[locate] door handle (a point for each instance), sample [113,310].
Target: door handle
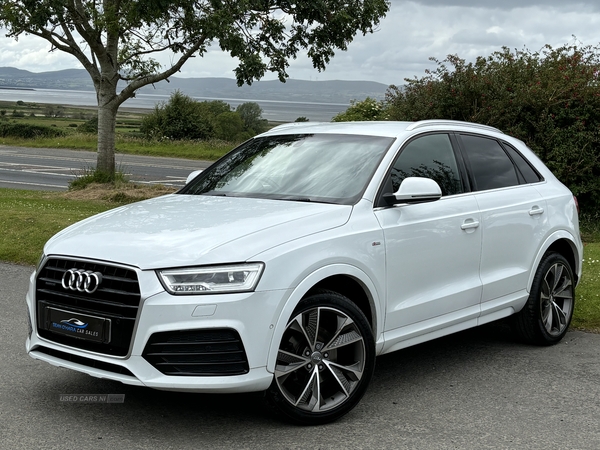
[536,210]
[469,223]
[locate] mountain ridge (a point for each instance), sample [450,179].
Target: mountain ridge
[337,91]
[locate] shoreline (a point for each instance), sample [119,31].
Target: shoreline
[273,110]
[12,88]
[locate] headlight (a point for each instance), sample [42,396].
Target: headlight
[211,280]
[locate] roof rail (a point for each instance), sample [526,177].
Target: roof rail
[293,124]
[428,123]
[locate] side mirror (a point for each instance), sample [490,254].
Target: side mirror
[192,175]
[415,190]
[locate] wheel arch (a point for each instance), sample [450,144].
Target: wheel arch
[352,288]
[565,244]
[344,279]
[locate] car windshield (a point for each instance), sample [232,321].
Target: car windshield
[329,168]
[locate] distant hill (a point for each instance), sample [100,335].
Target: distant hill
[225,88]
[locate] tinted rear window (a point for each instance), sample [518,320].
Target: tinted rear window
[528,172]
[491,167]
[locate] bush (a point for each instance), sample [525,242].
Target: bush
[91,176]
[90,126]
[25,131]
[549,99]
[181,118]
[83,115]
[368,109]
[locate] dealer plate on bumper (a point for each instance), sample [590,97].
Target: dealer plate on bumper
[77,325]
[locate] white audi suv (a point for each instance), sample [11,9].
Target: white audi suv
[293,261]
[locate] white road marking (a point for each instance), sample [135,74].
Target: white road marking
[33,184]
[165,182]
[93,161]
[3,169]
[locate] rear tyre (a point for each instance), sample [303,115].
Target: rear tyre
[546,316]
[325,361]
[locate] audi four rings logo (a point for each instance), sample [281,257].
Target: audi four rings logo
[81,280]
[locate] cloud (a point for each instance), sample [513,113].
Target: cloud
[33,54]
[412,32]
[507,4]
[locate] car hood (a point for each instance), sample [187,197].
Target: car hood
[183,230]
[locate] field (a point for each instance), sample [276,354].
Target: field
[65,117]
[128,138]
[587,304]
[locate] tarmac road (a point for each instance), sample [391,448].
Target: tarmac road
[52,169]
[475,390]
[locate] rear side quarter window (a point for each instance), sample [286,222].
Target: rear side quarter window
[490,165]
[528,173]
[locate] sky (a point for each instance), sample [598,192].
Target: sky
[411,33]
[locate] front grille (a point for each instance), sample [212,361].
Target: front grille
[117,299]
[216,352]
[108,367]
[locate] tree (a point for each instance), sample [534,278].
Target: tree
[118,40]
[549,99]
[54,111]
[251,115]
[228,126]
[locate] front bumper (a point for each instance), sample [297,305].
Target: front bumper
[252,315]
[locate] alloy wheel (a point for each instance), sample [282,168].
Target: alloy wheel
[556,299]
[321,359]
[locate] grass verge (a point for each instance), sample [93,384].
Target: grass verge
[587,302]
[199,150]
[30,218]
[589,224]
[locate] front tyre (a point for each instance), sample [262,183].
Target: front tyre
[546,316]
[325,360]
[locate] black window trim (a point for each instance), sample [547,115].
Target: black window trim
[381,203]
[462,161]
[505,144]
[520,177]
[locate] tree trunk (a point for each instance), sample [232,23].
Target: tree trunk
[107,120]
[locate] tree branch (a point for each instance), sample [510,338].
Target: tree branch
[87,32]
[69,40]
[128,91]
